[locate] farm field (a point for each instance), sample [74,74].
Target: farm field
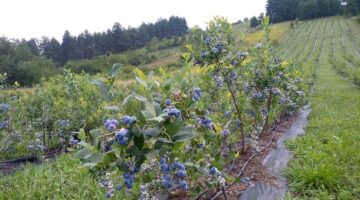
[316,62]
[325,166]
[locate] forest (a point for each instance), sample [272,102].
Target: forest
[285,10]
[27,61]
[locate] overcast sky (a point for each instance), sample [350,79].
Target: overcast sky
[37,18]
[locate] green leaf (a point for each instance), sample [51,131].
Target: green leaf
[183,135]
[139,141]
[164,140]
[149,106]
[151,155]
[115,70]
[82,135]
[95,133]
[133,150]
[85,145]
[133,96]
[140,73]
[147,115]
[136,130]
[143,82]
[175,127]
[152,132]
[94,157]
[109,157]
[114,109]
[157,119]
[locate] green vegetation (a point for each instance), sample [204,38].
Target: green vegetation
[326,165]
[60,179]
[135,133]
[151,124]
[29,62]
[286,10]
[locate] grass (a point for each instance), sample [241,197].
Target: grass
[63,179]
[53,180]
[278,31]
[327,165]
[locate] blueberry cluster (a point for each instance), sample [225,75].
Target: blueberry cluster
[241,55]
[214,171]
[219,81]
[252,113]
[207,40]
[233,76]
[246,88]
[64,124]
[144,195]
[111,124]
[214,50]
[225,132]
[179,174]
[122,136]
[258,96]
[36,145]
[227,113]
[127,120]
[197,94]
[4,124]
[73,141]
[200,145]
[264,112]
[276,91]
[234,62]
[216,176]
[156,102]
[105,183]
[204,54]
[129,180]
[172,112]
[206,122]
[167,102]
[107,146]
[4,107]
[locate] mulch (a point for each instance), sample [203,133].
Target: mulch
[11,166]
[255,169]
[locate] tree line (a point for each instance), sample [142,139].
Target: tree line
[26,61]
[114,40]
[285,10]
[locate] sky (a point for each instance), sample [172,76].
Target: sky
[37,18]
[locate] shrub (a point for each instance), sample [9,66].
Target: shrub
[179,128]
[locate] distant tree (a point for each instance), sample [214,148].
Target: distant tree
[21,65]
[51,49]
[352,7]
[69,48]
[246,20]
[115,40]
[32,45]
[285,10]
[254,22]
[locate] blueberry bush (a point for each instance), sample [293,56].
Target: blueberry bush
[50,116]
[176,130]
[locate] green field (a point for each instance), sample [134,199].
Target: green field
[326,164]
